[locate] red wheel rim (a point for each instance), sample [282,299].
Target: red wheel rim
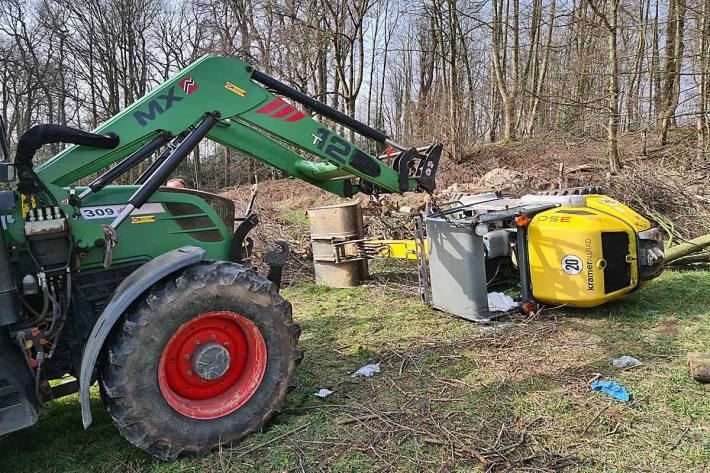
[212,365]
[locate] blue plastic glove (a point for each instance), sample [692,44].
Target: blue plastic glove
[612,388]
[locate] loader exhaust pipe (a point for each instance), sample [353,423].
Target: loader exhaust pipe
[323,109]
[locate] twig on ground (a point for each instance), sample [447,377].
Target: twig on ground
[269,442]
[586,429]
[680,439]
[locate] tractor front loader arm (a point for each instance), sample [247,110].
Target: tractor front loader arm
[251,120]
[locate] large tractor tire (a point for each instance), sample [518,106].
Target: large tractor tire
[202,360]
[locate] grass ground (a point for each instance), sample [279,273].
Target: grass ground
[452,395]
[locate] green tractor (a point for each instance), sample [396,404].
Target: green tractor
[147,289]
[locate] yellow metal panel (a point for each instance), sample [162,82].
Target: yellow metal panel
[398,249]
[566,261]
[611,206]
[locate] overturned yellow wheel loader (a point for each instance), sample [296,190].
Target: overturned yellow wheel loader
[577,247]
[591,250]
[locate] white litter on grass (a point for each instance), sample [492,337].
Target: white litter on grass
[499,302]
[324,393]
[625,361]
[366,371]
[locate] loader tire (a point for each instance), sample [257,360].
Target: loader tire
[200,361]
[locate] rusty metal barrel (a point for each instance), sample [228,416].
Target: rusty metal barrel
[337,262]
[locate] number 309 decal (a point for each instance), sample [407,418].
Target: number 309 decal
[110,211]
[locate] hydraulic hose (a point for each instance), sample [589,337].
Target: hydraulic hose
[127,164]
[166,166]
[319,107]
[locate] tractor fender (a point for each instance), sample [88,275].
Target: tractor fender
[128,291]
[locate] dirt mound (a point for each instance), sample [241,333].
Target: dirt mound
[537,161]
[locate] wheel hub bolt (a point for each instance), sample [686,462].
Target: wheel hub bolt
[189,372]
[187,356]
[213,337]
[197,342]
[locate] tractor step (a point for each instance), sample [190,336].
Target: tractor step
[17,410]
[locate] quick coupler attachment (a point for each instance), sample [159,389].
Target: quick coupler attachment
[420,163]
[428,165]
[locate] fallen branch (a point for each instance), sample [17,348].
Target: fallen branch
[687,248]
[362,418]
[693,258]
[680,439]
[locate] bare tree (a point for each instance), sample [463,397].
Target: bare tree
[610,22]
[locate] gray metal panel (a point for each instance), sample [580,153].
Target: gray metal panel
[457,270]
[18,403]
[566,200]
[497,243]
[130,288]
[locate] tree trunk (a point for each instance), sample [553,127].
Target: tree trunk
[687,248]
[674,51]
[613,125]
[508,95]
[540,80]
[611,23]
[704,69]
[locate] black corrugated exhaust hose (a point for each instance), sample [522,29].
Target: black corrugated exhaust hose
[40,135]
[319,107]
